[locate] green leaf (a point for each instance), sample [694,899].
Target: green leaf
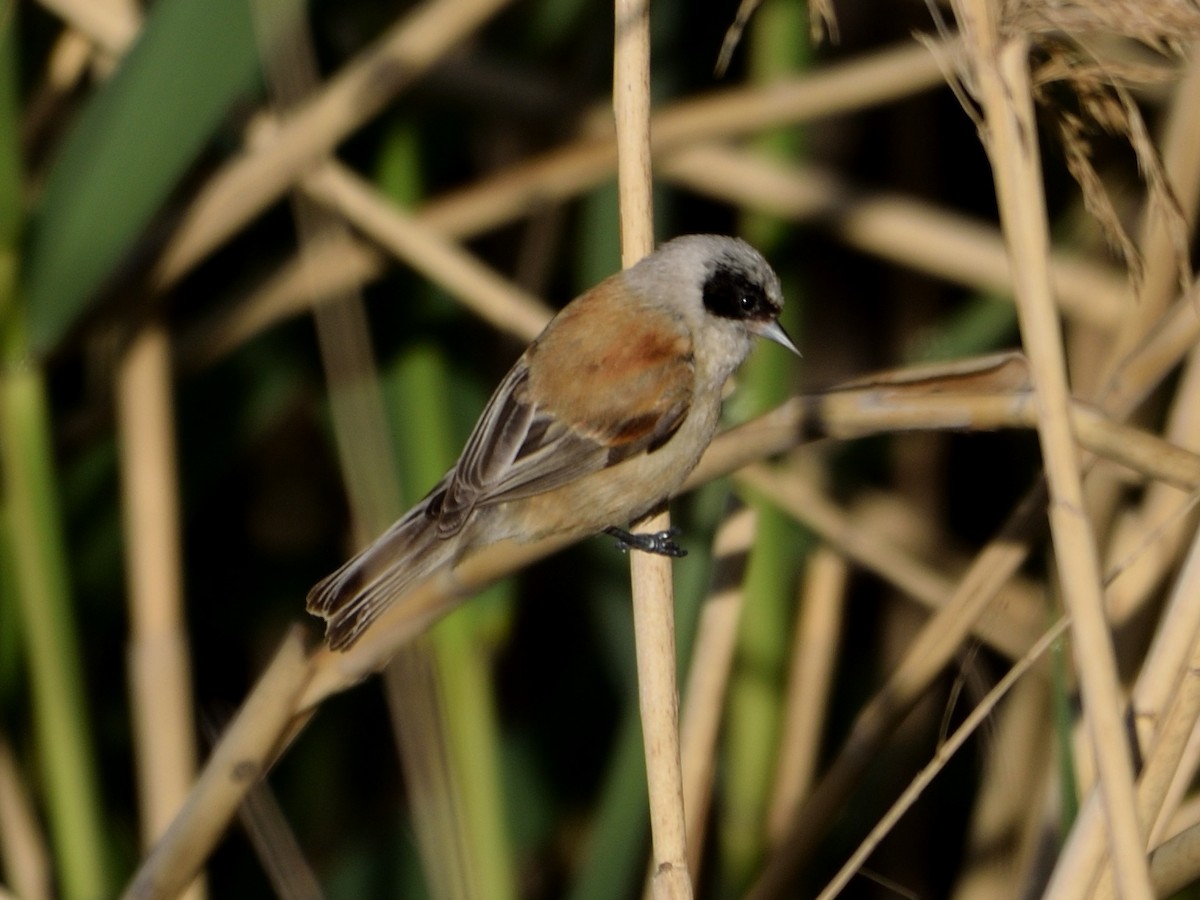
[132,144]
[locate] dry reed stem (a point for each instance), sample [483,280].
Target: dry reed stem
[22,844]
[857,412]
[1174,864]
[315,275]
[356,402]
[1162,347]
[894,227]
[708,674]
[767,435]
[1165,670]
[582,165]
[1010,632]
[1175,806]
[1180,150]
[847,415]
[1017,765]
[1165,344]
[112,26]
[1178,722]
[815,640]
[901,229]
[567,171]
[256,178]
[415,704]
[434,793]
[164,727]
[67,63]
[1153,532]
[240,758]
[1181,165]
[328,673]
[277,847]
[978,393]
[1136,375]
[928,654]
[481,289]
[1001,76]
[1176,732]
[653,595]
[1187,816]
[901,519]
[944,753]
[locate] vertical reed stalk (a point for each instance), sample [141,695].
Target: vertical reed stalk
[653,597]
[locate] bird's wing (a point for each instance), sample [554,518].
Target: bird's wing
[573,405]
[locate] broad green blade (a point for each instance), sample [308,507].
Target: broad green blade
[135,140]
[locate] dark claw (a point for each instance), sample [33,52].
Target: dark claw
[658,542]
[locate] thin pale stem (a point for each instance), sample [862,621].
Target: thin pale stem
[1002,78]
[653,595]
[159,658]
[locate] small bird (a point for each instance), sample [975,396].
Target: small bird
[599,421]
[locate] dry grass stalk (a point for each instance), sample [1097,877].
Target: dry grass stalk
[164,735]
[1158,242]
[1181,163]
[279,852]
[653,594]
[112,26]
[708,674]
[897,228]
[822,22]
[250,182]
[1179,721]
[815,642]
[317,274]
[1166,343]
[1149,536]
[67,64]
[1166,670]
[327,673]
[570,170]
[944,753]
[22,844]
[857,412]
[1001,76]
[927,656]
[1174,864]
[484,291]
[944,633]
[1166,25]
[435,797]
[1178,810]
[243,754]
[1010,631]
[1017,768]
[904,230]
[415,704]
[1186,817]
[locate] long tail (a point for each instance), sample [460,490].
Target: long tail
[354,596]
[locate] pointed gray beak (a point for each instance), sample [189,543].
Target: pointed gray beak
[773,331]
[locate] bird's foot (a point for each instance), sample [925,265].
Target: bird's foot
[657,542]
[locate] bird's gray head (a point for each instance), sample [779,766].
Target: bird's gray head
[722,287]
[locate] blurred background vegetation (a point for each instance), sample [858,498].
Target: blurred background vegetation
[218,379]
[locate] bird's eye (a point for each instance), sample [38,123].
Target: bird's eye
[731,294]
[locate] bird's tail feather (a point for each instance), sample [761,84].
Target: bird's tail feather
[354,596]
